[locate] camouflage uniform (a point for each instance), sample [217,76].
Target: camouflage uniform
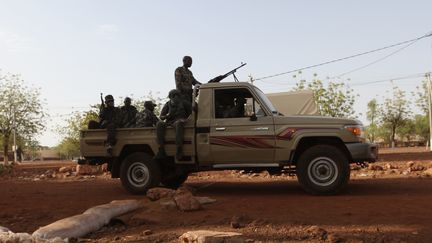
[184,79]
[110,118]
[175,113]
[128,114]
[147,118]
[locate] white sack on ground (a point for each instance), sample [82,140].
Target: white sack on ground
[90,221]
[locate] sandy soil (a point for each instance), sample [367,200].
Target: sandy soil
[388,205]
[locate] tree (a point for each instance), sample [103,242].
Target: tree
[394,112]
[407,130]
[421,126]
[371,116]
[69,145]
[334,99]
[21,109]
[422,97]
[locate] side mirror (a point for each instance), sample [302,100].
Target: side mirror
[253,117]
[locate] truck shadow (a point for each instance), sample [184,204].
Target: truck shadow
[369,187]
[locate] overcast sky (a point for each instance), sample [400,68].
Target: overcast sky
[76,49]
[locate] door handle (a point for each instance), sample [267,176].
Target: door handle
[220,128]
[261,129]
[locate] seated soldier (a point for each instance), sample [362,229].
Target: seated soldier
[238,110]
[129,113]
[174,113]
[110,118]
[147,118]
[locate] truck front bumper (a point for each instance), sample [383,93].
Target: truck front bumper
[361,152]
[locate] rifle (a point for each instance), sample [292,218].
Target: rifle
[221,77]
[102,102]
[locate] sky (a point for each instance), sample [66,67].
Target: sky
[74,50]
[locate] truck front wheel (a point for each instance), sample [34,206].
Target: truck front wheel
[323,170]
[138,173]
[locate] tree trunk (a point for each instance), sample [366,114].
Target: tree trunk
[5,149]
[393,136]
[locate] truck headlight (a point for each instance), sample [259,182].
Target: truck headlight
[356,130]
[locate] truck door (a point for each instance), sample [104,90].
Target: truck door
[242,131]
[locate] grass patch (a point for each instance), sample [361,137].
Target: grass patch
[5,169]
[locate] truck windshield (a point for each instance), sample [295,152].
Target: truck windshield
[266,101]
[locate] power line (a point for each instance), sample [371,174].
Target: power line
[345,58]
[376,61]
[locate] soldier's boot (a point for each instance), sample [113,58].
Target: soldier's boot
[161,153]
[179,153]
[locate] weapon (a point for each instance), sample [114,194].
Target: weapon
[221,77]
[102,101]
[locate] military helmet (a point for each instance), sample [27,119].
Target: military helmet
[109,98]
[172,93]
[149,104]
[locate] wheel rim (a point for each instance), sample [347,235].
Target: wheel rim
[138,174]
[323,171]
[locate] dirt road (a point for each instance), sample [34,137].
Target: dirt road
[370,210]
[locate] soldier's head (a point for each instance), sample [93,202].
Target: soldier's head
[187,61]
[240,101]
[149,105]
[173,94]
[127,101]
[109,100]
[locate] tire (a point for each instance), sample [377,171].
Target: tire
[175,181]
[323,170]
[138,173]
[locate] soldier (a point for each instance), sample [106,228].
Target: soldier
[175,113]
[147,118]
[129,113]
[184,79]
[238,110]
[110,118]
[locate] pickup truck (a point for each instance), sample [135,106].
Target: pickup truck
[319,150]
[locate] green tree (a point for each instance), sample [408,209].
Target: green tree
[21,108]
[421,126]
[371,116]
[394,112]
[69,145]
[334,99]
[407,130]
[422,97]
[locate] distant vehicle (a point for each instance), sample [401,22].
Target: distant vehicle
[317,149]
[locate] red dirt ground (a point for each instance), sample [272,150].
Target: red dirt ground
[377,206]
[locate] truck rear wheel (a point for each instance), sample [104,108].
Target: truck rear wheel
[323,170]
[138,173]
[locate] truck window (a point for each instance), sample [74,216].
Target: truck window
[236,103]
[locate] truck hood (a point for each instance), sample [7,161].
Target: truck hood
[314,120]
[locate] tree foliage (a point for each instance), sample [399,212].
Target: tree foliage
[372,117]
[394,112]
[21,108]
[333,99]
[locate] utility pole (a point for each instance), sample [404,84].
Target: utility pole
[429,85]
[14,139]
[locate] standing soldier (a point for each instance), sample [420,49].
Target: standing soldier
[184,79]
[110,118]
[147,118]
[129,113]
[175,113]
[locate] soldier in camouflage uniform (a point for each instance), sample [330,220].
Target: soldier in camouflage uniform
[110,117]
[174,113]
[129,113]
[147,118]
[184,79]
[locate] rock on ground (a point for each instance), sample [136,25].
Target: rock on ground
[157,193]
[89,169]
[3,229]
[207,236]
[24,237]
[428,172]
[187,202]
